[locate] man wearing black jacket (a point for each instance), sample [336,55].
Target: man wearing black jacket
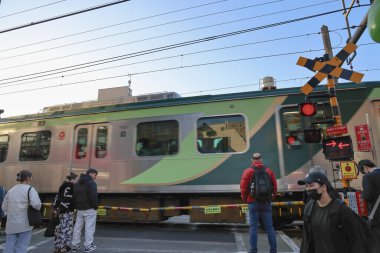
[86,203]
[371,191]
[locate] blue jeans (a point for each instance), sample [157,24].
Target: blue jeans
[263,210]
[17,243]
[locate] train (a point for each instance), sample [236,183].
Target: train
[180,151]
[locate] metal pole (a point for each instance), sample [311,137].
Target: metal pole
[331,83]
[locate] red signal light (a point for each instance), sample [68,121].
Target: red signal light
[291,140]
[307,108]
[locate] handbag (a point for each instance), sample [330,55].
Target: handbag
[34,215]
[53,223]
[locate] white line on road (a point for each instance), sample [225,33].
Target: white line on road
[240,242]
[289,241]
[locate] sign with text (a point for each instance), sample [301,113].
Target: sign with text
[363,138]
[336,130]
[348,170]
[338,148]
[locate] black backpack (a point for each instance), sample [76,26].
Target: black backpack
[261,187]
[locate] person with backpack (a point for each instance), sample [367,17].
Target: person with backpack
[329,225]
[258,187]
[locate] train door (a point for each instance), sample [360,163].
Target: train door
[92,148]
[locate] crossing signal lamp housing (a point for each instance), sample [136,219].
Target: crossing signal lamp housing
[312,135]
[338,148]
[307,108]
[293,141]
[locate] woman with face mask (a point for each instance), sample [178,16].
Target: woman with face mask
[329,225]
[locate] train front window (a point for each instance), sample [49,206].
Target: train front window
[4,143]
[101,142]
[81,146]
[157,138]
[221,134]
[35,146]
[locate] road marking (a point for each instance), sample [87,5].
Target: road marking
[240,242]
[289,241]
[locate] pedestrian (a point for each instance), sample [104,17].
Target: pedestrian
[15,206]
[371,191]
[3,219]
[86,203]
[329,225]
[257,206]
[64,207]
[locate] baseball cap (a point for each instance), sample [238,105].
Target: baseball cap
[315,177]
[256,156]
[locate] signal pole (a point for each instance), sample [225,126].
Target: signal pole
[331,84]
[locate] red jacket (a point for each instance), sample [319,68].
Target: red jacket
[246,178]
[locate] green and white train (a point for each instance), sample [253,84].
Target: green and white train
[181,151]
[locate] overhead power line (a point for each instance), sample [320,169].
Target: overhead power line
[164,48]
[63,16]
[38,7]
[105,27]
[181,67]
[155,37]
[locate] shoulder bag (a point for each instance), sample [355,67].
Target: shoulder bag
[34,215]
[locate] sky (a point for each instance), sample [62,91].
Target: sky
[49,64]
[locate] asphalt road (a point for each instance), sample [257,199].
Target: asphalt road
[112,238]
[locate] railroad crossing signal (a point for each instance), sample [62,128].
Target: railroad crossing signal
[338,148]
[330,67]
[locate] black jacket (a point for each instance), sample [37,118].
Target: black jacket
[85,193]
[64,201]
[371,190]
[348,231]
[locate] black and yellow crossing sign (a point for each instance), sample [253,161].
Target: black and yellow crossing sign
[330,67]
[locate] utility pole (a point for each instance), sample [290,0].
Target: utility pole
[331,84]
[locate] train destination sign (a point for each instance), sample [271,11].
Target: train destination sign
[338,148]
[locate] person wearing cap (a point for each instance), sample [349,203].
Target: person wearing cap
[86,203]
[64,206]
[259,209]
[329,225]
[371,191]
[15,206]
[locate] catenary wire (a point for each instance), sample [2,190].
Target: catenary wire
[62,16]
[31,9]
[159,49]
[135,30]
[174,68]
[145,39]
[105,27]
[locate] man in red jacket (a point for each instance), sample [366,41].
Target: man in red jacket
[258,209]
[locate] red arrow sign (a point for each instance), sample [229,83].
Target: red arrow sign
[332,143]
[342,145]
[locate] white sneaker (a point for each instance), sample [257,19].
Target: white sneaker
[91,248]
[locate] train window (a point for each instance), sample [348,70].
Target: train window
[221,134]
[81,147]
[157,138]
[101,142]
[4,142]
[35,146]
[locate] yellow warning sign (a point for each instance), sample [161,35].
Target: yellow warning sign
[348,170]
[213,209]
[102,212]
